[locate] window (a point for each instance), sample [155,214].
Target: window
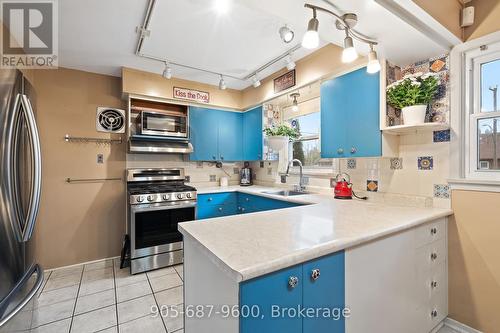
[484,114]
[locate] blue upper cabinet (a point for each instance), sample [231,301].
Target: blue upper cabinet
[204,124]
[230,136]
[350,116]
[252,134]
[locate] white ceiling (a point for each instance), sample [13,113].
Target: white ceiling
[99,36]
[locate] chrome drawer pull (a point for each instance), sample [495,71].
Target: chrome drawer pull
[434,256]
[434,313]
[434,284]
[293,281]
[315,274]
[434,231]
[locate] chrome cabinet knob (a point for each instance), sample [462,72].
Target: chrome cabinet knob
[340,151]
[213,157]
[210,199]
[434,284]
[434,231]
[293,281]
[434,313]
[247,199]
[434,256]
[242,209]
[353,150]
[220,209]
[222,157]
[315,273]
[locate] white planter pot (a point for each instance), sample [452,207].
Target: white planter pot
[414,115]
[276,143]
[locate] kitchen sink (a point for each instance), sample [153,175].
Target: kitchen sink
[286,193]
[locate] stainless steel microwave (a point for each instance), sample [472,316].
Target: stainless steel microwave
[163,123]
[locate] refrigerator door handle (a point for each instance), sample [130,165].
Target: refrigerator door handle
[39,280]
[35,192]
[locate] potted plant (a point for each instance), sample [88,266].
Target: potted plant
[412,94]
[279,136]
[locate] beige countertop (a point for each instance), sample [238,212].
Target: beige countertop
[254,244]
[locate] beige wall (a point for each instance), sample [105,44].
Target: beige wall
[144,83]
[322,63]
[77,222]
[487,18]
[446,12]
[474,260]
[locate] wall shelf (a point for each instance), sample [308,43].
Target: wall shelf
[408,129]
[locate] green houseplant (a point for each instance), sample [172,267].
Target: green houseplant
[412,94]
[279,136]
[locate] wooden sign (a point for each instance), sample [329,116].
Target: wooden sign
[192,95]
[284,81]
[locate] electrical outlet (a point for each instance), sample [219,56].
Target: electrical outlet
[100,158]
[213,178]
[283,179]
[333,182]
[187,179]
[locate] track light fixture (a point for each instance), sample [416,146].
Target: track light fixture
[346,22]
[255,81]
[290,64]
[295,103]
[222,83]
[349,54]
[167,72]
[286,34]
[373,63]
[311,37]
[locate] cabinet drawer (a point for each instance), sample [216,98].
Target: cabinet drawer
[432,283]
[430,315]
[216,198]
[430,232]
[431,256]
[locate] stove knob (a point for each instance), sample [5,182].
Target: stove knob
[140,198]
[166,197]
[188,195]
[151,197]
[180,196]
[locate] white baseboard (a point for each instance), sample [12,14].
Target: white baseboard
[459,327]
[82,263]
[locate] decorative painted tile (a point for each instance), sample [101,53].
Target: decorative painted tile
[441,136]
[425,163]
[351,163]
[213,178]
[187,178]
[199,165]
[305,180]
[372,185]
[442,191]
[438,65]
[236,171]
[397,163]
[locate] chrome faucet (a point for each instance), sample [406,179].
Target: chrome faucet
[300,187]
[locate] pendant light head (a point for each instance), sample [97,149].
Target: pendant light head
[222,83]
[286,34]
[311,37]
[295,103]
[349,54]
[373,62]
[290,64]
[167,72]
[255,81]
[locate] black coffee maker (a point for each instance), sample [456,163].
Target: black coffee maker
[246,175]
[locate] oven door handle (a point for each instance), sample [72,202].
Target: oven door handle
[153,207]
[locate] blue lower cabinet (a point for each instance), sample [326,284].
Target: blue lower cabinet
[324,287]
[217,198]
[267,293]
[319,289]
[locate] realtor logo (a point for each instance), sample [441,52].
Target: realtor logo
[29,37]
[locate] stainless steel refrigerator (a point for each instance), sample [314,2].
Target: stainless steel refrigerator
[20,186]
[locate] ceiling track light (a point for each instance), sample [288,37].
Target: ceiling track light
[222,83]
[286,34]
[167,72]
[346,22]
[295,103]
[255,81]
[290,64]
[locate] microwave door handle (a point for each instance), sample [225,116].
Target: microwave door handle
[36,170]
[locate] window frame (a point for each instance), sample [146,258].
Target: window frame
[472,90]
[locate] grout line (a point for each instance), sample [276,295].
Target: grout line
[76,300]
[116,296]
[157,305]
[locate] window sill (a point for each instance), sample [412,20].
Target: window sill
[480,185]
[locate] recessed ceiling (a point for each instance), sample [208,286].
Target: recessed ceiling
[99,36]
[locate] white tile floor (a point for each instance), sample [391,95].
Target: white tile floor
[101,297]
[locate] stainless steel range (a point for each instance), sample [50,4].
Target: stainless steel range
[158,201]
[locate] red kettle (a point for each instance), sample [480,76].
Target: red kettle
[343,186]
